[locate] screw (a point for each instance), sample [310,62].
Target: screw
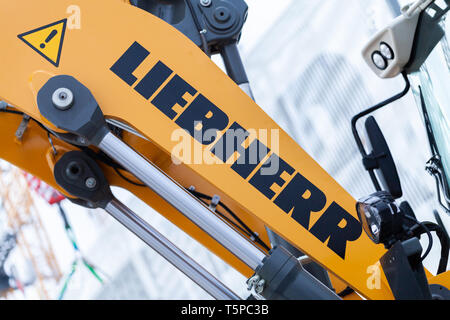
[260,286]
[91,183]
[82,140]
[205,3]
[62,98]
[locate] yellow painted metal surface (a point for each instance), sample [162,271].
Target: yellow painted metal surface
[106,31]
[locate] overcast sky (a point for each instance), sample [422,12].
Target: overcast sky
[261,15]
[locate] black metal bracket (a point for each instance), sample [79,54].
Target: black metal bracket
[428,34]
[367,112]
[82,177]
[371,161]
[219,21]
[404,271]
[83,117]
[213,25]
[282,277]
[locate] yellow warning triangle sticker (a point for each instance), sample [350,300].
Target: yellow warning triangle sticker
[47,40]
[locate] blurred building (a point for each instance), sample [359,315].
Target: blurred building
[308,74]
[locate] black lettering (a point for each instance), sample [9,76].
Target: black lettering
[153,80]
[230,142]
[263,182]
[250,158]
[171,95]
[327,227]
[128,63]
[205,112]
[301,197]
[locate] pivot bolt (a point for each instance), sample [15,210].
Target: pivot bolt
[205,3]
[91,183]
[62,98]
[73,170]
[222,14]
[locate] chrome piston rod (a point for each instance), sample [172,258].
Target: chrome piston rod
[181,200]
[169,251]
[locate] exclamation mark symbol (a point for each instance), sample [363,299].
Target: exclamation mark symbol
[50,37]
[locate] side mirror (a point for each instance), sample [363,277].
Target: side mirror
[380,159]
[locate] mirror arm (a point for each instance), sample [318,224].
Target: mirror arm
[366,112]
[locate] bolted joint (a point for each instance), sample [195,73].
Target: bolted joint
[81,177]
[224,19]
[70,106]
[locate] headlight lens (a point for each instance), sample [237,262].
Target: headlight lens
[386,51]
[376,214]
[370,219]
[379,61]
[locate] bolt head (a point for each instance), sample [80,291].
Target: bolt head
[62,98]
[205,3]
[91,183]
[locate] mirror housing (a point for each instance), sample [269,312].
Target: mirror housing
[380,159]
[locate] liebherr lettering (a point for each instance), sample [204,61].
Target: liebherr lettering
[183,104]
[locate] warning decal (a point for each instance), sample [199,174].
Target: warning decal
[47,40]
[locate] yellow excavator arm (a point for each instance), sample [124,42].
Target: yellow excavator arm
[181,112]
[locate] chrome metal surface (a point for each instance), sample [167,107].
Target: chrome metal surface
[181,200]
[125,127]
[169,251]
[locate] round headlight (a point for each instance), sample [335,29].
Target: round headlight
[379,61]
[386,51]
[377,216]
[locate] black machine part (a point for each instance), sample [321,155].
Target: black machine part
[213,25]
[89,124]
[381,160]
[219,21]
[286,279]
[428,34]
[83,178]
[312,267]
[404,271]
[439,292]
[367,112]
